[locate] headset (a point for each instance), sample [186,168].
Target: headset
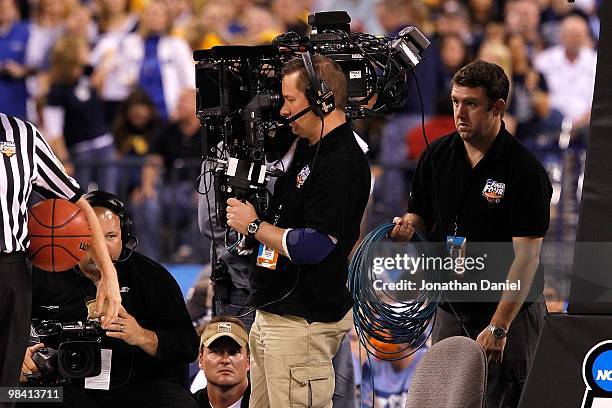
[99,198]
[320,97]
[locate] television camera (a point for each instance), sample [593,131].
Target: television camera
[72,350]
[239,97]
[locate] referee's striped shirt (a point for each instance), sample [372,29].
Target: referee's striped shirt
[26,162]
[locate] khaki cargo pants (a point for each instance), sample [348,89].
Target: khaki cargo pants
[291,360]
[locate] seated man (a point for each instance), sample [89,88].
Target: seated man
[151,341]
[224,358]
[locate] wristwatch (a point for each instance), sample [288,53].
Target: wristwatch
[253,227]
[498,332]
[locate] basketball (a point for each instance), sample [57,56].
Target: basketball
[59,235]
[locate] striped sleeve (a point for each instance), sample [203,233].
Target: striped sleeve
[49,174]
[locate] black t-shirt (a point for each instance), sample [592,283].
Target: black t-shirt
[330,198]
[150,294]
[83,111]
[507,194]
[172,144]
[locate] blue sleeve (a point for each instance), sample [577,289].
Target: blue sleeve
[306,246]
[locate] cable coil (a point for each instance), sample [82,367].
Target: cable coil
[393,321]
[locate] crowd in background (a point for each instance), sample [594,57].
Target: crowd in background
[111,85]
[108,82]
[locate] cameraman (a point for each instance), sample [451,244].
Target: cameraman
[152,340]
[299,281]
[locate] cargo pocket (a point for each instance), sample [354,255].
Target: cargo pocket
[312,386]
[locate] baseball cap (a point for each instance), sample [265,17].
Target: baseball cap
[219,329]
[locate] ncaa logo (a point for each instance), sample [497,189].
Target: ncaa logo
[602,370]
[597,374]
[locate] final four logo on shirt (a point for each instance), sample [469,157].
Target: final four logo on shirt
[8,148]
[494,191]
[302,176]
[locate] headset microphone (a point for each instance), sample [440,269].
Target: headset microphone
[288,121]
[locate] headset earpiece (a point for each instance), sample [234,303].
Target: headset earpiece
[319,95]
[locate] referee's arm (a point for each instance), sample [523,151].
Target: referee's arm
[108,288]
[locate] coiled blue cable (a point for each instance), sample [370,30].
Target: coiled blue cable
[396,322]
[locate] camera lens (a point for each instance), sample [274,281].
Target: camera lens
[76,360]
[79,359]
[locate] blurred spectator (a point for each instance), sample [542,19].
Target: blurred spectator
[482,12]
[550,22]
[211,26]
[260,26]
[454,19]
[569,69]
[498,53]
[291,15]
[135,124]
[47,27]
[391,379]
[494,32]
[393,15]
[199,298]
[16,61]
[115,22]
[133,128]
[529,102]
[115,17]
[454,54]
[159,64]
[79,23]
[523,17]
[360,11]
[181,12]
[156,201]
[73,117]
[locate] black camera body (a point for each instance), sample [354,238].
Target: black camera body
[72,350]
[239,96]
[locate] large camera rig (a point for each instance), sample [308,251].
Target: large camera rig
[239,96]
[72,350]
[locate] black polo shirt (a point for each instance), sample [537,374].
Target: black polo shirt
[330,198]
[507,194]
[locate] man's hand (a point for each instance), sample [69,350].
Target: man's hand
[15,70]
[240,215]
[108,292]
[28,366]
[403,230]
[126,328]
[494,348]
